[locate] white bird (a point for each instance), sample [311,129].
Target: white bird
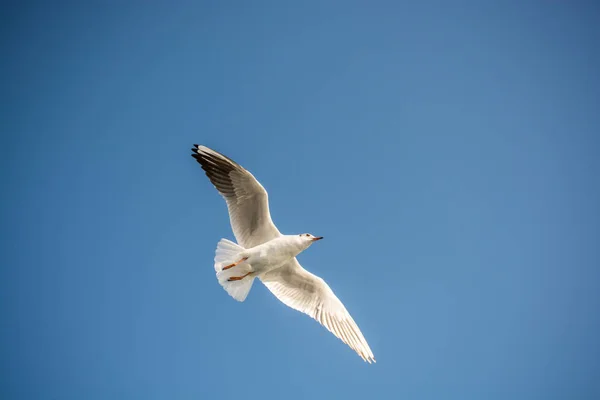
[263,252]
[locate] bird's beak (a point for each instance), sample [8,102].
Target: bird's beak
[317,238]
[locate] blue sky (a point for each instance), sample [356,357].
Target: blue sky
[448,154]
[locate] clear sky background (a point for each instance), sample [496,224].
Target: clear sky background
[448,152]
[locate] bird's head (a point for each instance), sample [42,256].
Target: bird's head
[307,239]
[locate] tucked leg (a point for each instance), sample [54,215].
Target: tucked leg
[238,278]
[235,263]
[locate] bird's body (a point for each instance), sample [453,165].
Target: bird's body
[263,252]
[273,254]
[255,262]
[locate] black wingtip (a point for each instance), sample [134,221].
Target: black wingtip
[196,145]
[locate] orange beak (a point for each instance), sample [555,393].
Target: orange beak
[317,238]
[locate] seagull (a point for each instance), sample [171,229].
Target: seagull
[263,252]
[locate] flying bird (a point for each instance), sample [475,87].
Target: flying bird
[263,252]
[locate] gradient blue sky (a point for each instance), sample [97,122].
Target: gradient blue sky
[447,151]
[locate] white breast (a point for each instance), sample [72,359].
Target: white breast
[272,254]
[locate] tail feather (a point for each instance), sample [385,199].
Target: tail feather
[227,253]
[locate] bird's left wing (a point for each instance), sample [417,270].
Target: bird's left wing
[247,200]
[299,289]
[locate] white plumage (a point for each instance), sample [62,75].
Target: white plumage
[263,252]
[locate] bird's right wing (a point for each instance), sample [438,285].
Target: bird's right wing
[247,200]
[299,289]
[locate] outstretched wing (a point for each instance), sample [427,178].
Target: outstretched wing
[247,200]
[299,289]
